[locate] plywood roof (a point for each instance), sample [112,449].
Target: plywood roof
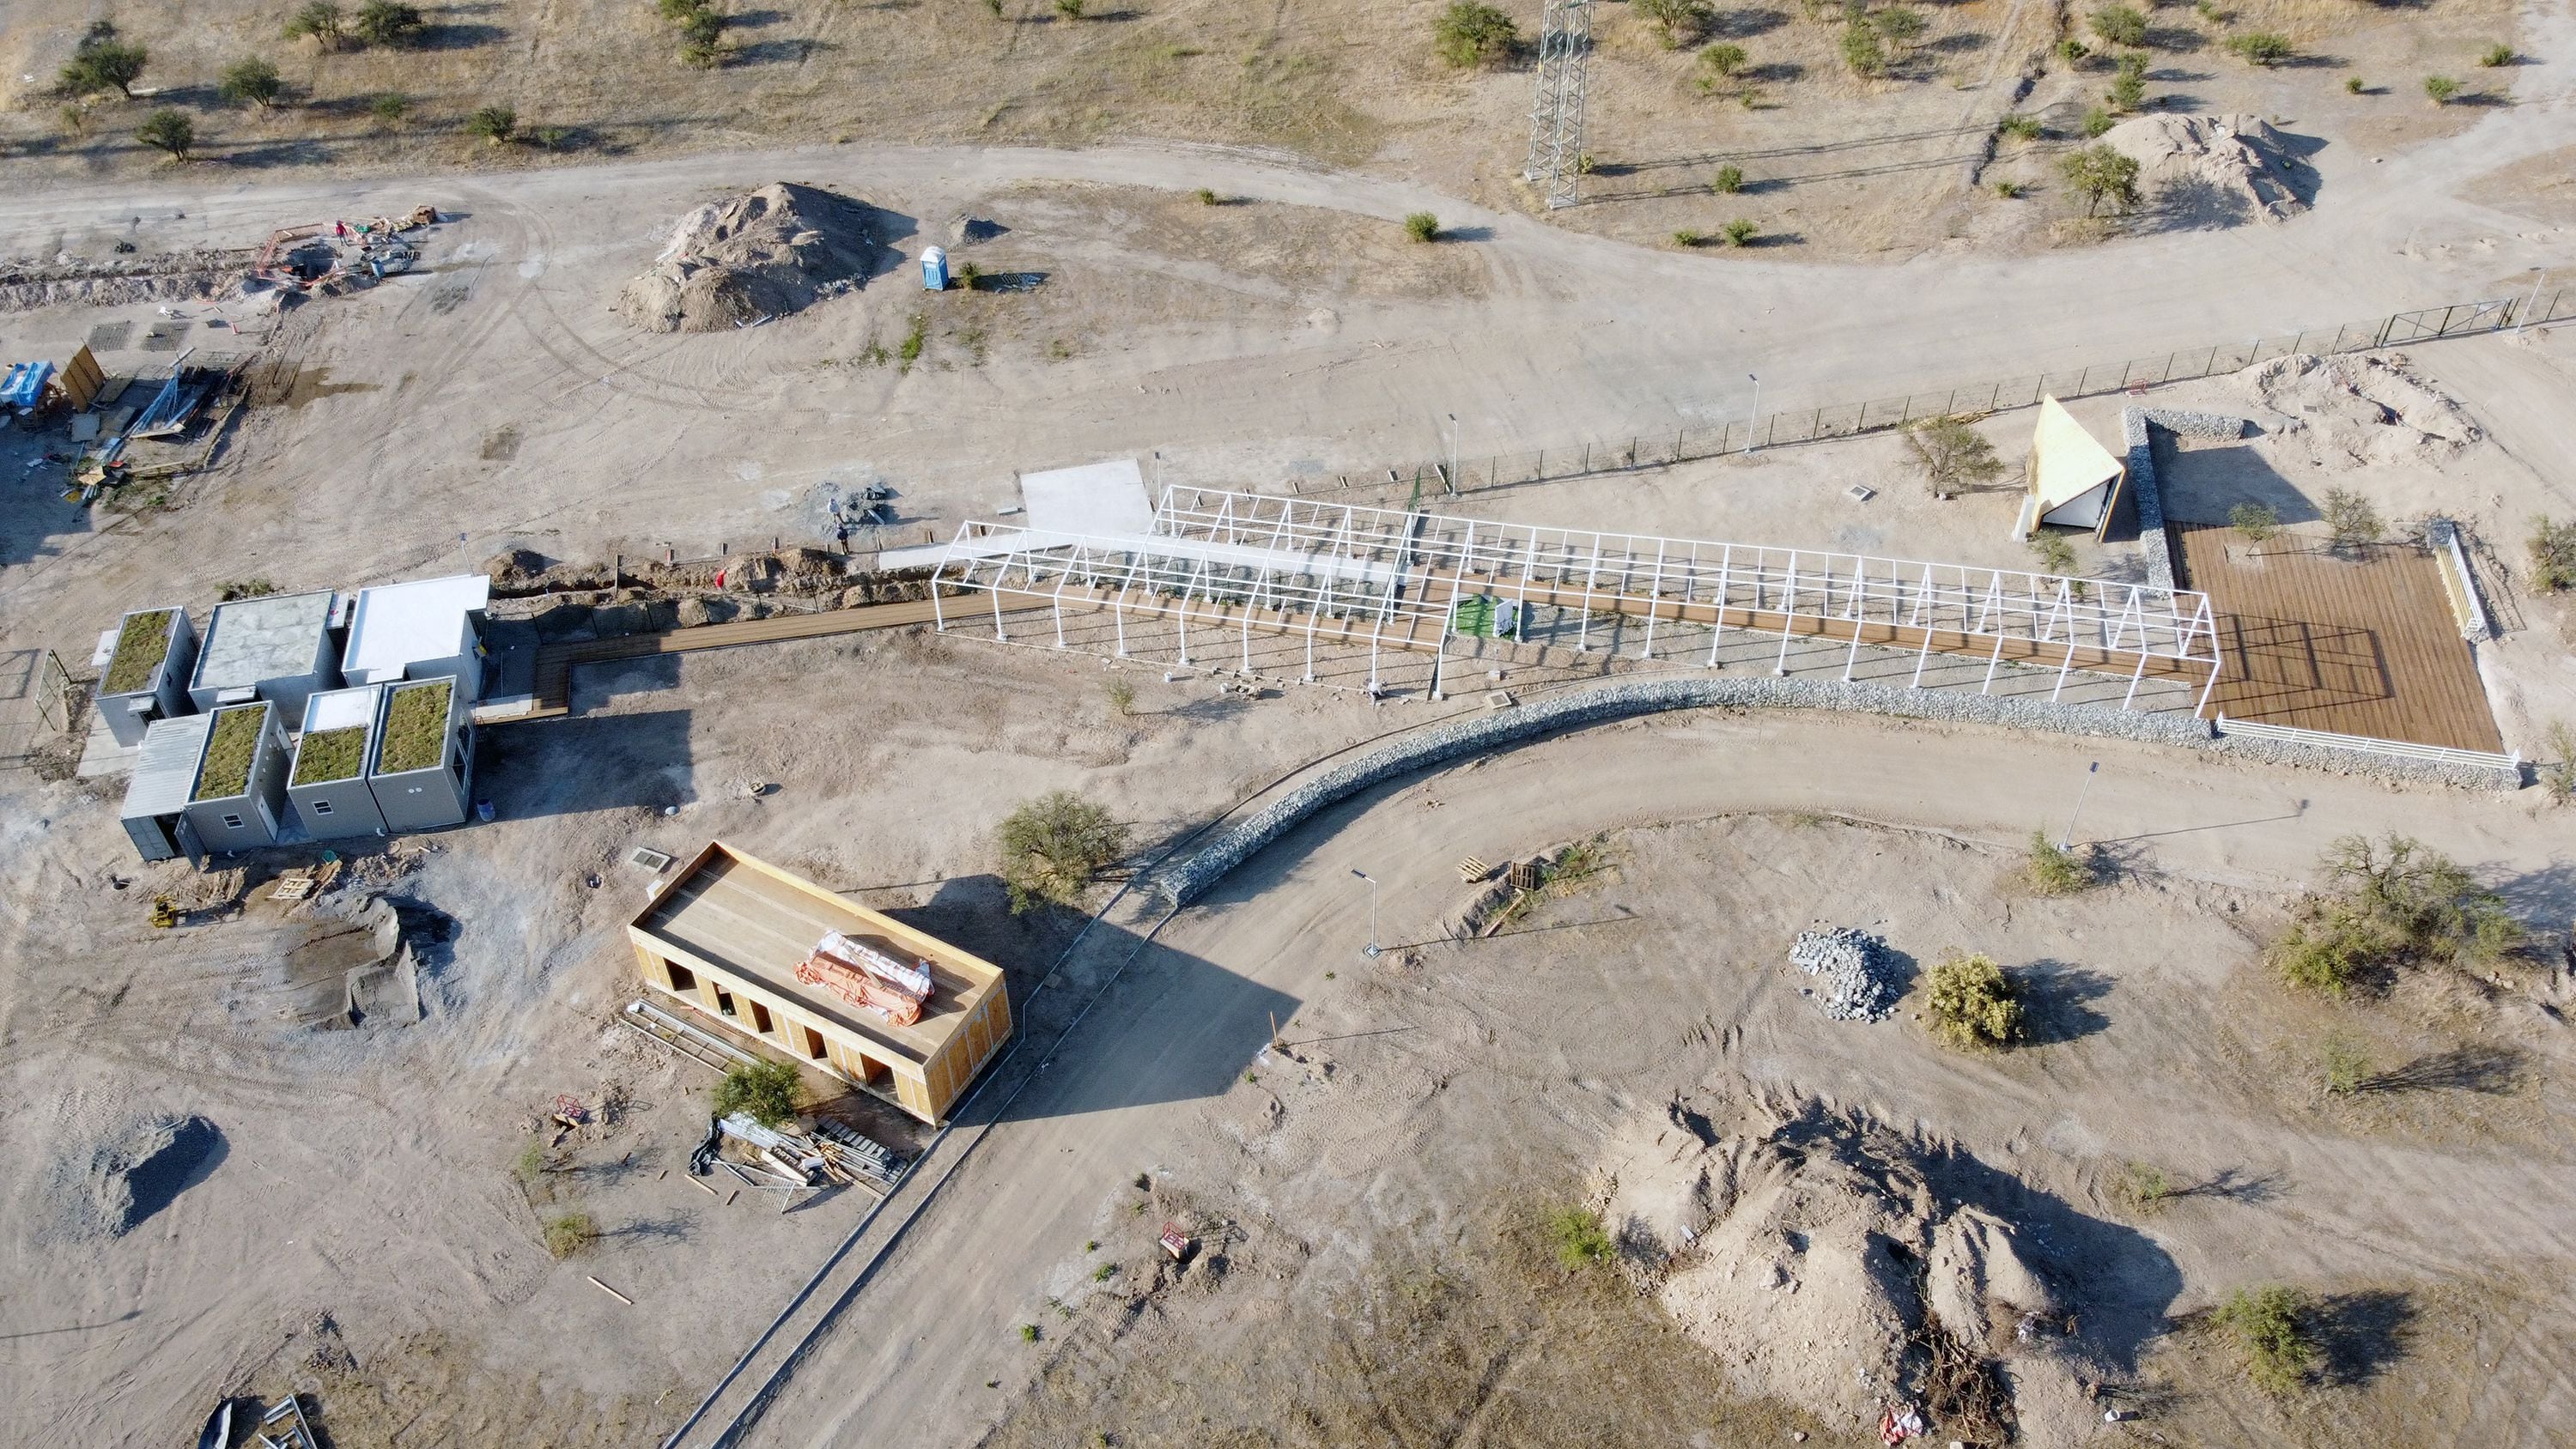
[2066,462]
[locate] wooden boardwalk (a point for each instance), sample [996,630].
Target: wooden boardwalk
[2359,646]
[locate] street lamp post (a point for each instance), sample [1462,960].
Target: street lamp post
[2067,841]
[1371,949]
[1453,453]
[1753,419]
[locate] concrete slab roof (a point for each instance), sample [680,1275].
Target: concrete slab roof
[249,641]
[398,625]
[340,709]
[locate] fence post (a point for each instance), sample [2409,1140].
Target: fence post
[1993,396]
[2167,375]
[2080,379]
[2387,324]
[1864,418]
[2445,329]
[1951,404]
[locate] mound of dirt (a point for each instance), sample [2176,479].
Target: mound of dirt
[140,1171]
[2215,170]
[774,251]
[1809,1253]
[2370,407]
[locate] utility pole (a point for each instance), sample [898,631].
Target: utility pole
[1371,949]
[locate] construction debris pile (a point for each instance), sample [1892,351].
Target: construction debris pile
[1856,975]
[787,1157]
[777,250]
[866,977]
[336,257]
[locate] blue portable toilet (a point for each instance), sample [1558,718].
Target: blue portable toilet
[934,270]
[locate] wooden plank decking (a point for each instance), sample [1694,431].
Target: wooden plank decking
[2359,646]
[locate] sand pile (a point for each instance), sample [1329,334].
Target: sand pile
[1808,1252]
[2213,169]
[777,250]
[138,1171]
[2368,407]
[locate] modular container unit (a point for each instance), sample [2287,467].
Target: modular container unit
[240,789]
[147,675]
[277,648]
[423,769]
[155,813]
[425,629]
[328,786]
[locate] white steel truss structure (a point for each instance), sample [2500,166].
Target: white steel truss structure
[1556,107]
[1222,565]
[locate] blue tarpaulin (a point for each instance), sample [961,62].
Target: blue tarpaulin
[25,386]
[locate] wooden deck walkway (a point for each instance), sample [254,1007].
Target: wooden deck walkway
[2365,646]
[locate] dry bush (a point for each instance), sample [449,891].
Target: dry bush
[1975,1004]
[2268,1325]
[2390,903]
[2056,870]
[1951,456]
[1053,847]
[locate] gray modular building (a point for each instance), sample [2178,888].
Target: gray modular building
[424,629]
[241,778]
[156,798]
[146,675]
[328,785]
[424,763]
[278,648]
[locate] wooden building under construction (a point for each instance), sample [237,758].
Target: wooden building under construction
[728,935]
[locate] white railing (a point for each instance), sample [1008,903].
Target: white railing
[2461,584]
[2363,744]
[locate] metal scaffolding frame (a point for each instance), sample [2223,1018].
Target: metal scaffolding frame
[1227,563]
[1556,106]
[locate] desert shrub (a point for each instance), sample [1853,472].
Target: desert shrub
[2260,47]
[2257,522]
[2071,50]
[2143,1187]
[1053,847]
[105,63]
[2056,870]
[2496,55]
[320,19]
[1206,196]
[493,124]
[2100,174]
[250,82]
[1678,21]
[2097,120]
[1862,50]
[1422,226]
[2120,25]
[1898,25]
[2055,554]
[389,107]
[2350,519]
[2129,85]
[2354,85]
[1730,180]
[2440,88]
[2389,903]
[2021,128]
[2343,1064]
[2009,190]
[1720,63]
[389,23]
[1951,455]
[1687,238]
[2553,554]
[1028,1333]
[1740,232]
[168,130]
[1121,695]
[2558,775]
[1579,1238]
[2266,1325]
[569,1233]
[1069,9]
[764,1090]
[1470,33]
[1974,1004]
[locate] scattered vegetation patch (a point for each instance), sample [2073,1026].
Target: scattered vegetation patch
[1053,847]
[2269,1329]
[1422,226]
[142,642]
[2553,554]
[2261,47]
[2351,520]
[2255,522]
[568,1233]
[1740,232]
[1975,1004]
[2343,1064]
[2056,870]
[2389,903]
[1469,34]
[231,747]
[2101,174]
[330,755]
[2055,554]
[764,1090]
[1121,695]
[2439,89]
[2143,1187]
[2558,775]
[1951,456]
[1579,1239]
[415,728]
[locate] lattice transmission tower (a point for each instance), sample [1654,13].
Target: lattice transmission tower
[1556,115]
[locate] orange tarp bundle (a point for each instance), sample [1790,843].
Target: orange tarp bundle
[859,988]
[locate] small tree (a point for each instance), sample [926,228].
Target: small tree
[1740,232]
[2129,86]
[389,23]
[1470,33]
[1720,64]
[1730,180]
[1899,26]
[763,1090]
[103,63]
[2553,554]
[1121,695]
[1951,456]
[1974,1004]
[1862,51]
[1679,21]
[2257,522]
[2351,520]
[2387,903]
[2260,47]
[2100,174]
[168,130]
[2120,25]
[1422,226]
[320,19]
[2056,870]
[251,82]
[2266,1325]
[1053,847]
[493,124]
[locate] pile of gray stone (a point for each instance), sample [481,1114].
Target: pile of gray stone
[1855,974]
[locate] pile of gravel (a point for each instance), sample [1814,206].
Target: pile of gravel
[1855,974]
